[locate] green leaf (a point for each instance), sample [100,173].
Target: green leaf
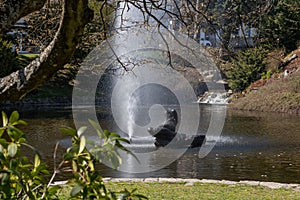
[122,140]
[21,122]
[97,127]
[4,119]
[95,124]
[3,142]
[68,156]
[5,177]
[81,130]
[106,133]
[45,171]
[75,190]
[82,144]
[12,149]
[53,190]
[95,176]
[37,161]
[116,160]
[14,117]
[69,131]
[1,148]
[91,165]
[113,134]
[13,128]
[13,164]
[2,157]
[1,131]
[22,140]
[74,166]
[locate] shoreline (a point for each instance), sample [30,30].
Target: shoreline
[66,102]
[191,182]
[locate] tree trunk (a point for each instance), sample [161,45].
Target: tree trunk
[12,10]
[75,15]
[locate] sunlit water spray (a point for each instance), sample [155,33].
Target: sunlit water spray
[138,56]
[125,20]
[131,108]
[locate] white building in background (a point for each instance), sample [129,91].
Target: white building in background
[243,37]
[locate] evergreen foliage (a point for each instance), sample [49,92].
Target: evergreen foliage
[281,26]
[246,68]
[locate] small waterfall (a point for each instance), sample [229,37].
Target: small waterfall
[214,98]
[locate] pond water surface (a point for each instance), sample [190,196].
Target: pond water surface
[253,146]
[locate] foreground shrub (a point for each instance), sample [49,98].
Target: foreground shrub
[22,178]
[88,184]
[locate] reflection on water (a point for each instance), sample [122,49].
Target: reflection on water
[253,146]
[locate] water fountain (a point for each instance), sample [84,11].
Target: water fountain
[128,115]
[144,85]
[141,63]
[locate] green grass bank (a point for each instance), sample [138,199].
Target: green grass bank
[196,191]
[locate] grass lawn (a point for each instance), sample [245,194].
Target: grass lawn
[177,191]
[25,59]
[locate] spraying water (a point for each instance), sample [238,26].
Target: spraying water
[138,56]
[127,19]
[131,108]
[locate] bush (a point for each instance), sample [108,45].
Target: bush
[8,59]
[246,68]
[22,178]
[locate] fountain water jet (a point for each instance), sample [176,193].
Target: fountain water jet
[127,19]
[143,52]
[131,108]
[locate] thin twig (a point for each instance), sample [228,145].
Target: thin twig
[55,170]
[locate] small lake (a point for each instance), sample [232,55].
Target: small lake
[253,146]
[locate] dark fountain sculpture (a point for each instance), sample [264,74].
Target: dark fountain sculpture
[166,132]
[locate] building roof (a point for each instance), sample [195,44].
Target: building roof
[21,23]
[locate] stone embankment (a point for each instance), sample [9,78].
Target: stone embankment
[191,182]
